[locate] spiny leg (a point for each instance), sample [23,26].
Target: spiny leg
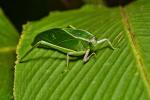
[67,68]
[106,40]
[87,56]
[79,53]
[44,43]
[35,46]
[69,54]
[67,59]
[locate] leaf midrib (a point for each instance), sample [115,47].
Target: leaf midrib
[135,47]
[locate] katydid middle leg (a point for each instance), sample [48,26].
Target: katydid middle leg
[87,56]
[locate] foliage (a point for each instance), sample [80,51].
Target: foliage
[123,73]
[114,74]
[8,42]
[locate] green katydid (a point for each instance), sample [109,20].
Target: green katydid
[69,40]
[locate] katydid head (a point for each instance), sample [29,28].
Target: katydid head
[93,43]
[99,42]
[96,44]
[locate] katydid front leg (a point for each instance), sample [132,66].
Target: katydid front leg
[106,40]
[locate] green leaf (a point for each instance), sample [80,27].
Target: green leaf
[118,74]
[8,42]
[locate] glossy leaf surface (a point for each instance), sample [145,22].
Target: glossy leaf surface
[121,74]
[8,42]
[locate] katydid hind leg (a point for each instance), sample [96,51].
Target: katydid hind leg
[35,46]
[69,54]
[106,40]
[67,61]
[70,26]
[73,54]
[44,43]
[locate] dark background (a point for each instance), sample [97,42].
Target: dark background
[21,11]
